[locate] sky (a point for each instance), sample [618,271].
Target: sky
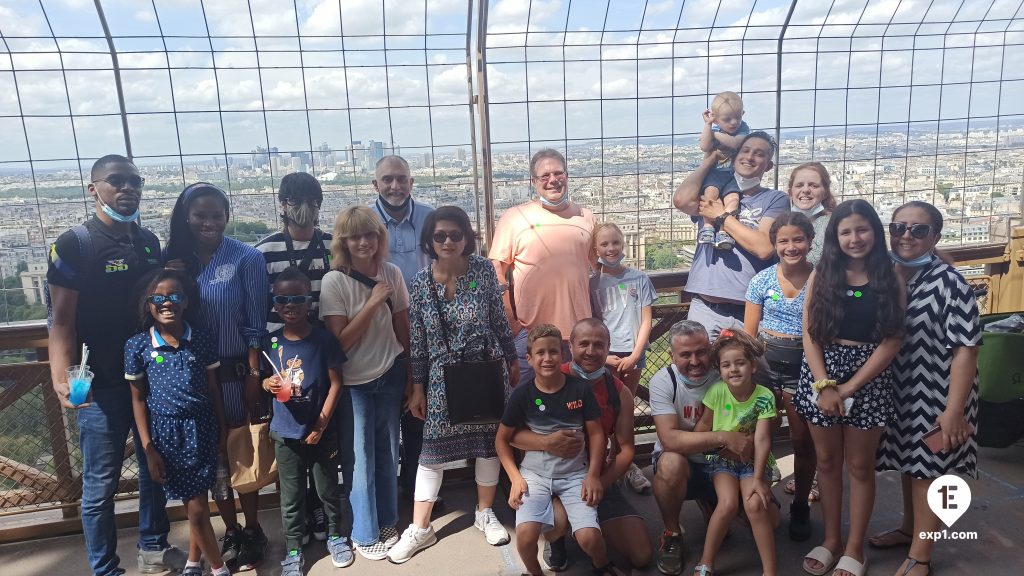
[223,76]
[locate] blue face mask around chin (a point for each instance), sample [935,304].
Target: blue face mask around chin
[611,263]
[561,202]
[585,375]
[115,215]
[810,212]
[921,260]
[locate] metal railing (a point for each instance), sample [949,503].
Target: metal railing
[40,461]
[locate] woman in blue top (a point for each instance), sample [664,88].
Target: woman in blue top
[232,279]
[774,315]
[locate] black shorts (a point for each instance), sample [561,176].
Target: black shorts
[723,179]
[699,486]
[614,505]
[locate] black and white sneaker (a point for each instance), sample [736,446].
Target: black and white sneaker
[318,524]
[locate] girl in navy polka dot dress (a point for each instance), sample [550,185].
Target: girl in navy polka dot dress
[177,405]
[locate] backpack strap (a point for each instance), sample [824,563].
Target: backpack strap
[86,253]
[613,394]
[675,385]
[365,281]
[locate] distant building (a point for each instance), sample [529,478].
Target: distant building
[32,282]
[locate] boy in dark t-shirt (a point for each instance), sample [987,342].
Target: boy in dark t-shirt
[306,380]
[551,402]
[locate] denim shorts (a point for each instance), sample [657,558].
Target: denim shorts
[738,470]
[537,502]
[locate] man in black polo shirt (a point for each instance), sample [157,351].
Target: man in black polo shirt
[91,280]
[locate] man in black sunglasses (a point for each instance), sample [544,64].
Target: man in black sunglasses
[93,269]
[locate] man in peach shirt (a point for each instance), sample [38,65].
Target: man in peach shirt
[546,245]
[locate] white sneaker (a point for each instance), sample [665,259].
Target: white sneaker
[636,480]
[488,523]
[412,541]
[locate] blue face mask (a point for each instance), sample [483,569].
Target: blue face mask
[115,215]
[810,212]
[611,263]
[922,260]
[588,376]
[562,202]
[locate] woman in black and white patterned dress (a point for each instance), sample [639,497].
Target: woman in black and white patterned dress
[936,379]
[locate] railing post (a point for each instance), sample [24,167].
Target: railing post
[60,443]
[1006,289]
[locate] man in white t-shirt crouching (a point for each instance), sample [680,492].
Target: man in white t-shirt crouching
[677,394]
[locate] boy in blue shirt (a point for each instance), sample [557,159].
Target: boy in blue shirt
[306,372]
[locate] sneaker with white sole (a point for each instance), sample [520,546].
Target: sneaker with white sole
[167,559]
[340,549]
[412,541]
[487,523]
[706,234]
[317,524]
[389,536]
[636,480]
[375,551]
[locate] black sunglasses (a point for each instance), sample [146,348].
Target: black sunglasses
[286,300]
[119,180]
[897,229]
[440,236]
[159,299]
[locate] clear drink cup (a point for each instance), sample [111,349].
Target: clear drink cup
[284,393]
[79,384]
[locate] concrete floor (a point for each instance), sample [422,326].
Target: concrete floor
[996,513]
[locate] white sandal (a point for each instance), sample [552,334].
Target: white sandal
[851,566]
[823,555]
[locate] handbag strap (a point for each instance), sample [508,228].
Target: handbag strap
[440,310]
[365,281]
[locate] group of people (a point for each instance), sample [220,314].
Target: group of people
[344,337]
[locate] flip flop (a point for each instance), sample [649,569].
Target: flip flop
[823,555]
[851,566]
[813,496]
[877,541]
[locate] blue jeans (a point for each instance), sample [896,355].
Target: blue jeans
[376,409]
[103,430]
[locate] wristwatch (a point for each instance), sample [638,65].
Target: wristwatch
[720,221]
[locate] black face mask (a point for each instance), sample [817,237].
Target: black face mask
[392,208]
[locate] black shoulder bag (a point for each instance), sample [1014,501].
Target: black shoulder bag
[475,389]
[365,281]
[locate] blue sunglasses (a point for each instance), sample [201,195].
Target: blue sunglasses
[159,299]
[285,300]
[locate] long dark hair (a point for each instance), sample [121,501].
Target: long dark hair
[180,243]
[148,283]
[826,306]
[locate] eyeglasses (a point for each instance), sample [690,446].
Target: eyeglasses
[300,200]
[897,229]
[160,299]
[557,175]
[286,300]
[440,236]
[119,180]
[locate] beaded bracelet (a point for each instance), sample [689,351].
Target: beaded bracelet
[822,384]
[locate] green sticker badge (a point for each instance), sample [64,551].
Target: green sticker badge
[540,404]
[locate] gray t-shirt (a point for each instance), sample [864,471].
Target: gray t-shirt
[685,400]
[618,301]
[567,409]
[726,273]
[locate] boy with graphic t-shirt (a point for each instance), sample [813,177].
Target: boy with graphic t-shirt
[306,381]
[552,402]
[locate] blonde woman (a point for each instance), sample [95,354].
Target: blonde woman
[364,303]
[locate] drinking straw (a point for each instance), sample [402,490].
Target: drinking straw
[278,372]
[291,364]
[85,359]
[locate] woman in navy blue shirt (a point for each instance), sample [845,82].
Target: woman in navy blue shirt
[232,279]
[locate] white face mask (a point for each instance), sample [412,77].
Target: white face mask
[746,183]
[809,212]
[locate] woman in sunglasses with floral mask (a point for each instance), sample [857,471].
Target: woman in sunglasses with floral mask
[936,380]
[455,312]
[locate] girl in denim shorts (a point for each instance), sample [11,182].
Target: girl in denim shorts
[737,404]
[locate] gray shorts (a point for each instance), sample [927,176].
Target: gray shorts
[614,505]
[537,502]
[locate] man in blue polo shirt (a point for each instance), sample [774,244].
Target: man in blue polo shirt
[92,273]
[404,219]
